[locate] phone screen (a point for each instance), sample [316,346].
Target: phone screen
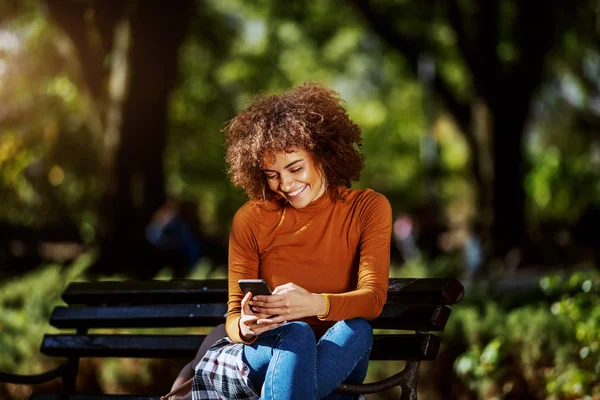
[258,287]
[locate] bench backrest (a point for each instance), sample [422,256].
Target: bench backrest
[419,305]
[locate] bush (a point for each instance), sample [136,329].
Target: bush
[25,307]
[548,350]
[26,304]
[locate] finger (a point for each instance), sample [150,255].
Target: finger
[279,319]
[258,316]
[285,292]
[265,321]
[269,311]
[248,319]
[267,299]
[246,298]
[264,304]
[278,289]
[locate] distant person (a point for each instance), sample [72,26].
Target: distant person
[174,232]
[323,249]
[405,237]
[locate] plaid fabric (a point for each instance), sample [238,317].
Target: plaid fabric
[222,374]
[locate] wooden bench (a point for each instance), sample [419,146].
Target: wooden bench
[418,305]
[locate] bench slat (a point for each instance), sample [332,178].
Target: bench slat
[147,292]
[385,347]
[145,316]
[417,318]
[424,291]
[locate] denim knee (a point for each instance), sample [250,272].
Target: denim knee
[362,329]
[299,331]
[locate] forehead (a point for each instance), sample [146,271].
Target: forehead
[279,159]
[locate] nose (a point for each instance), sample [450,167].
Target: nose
[287,183]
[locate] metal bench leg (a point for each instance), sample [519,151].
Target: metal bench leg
[411,378]
[70,375]
[69,378]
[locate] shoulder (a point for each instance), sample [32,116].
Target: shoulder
[251,213]
[371,208]
[367,199]
[247,215]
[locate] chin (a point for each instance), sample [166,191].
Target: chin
[298,203]
[302,201]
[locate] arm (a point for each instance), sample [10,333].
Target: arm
[243,264]
[367,300]
[242,323]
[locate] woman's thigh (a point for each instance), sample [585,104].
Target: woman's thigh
[343,354]
[296,338]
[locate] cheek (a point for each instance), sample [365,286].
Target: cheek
[273,184]
[314,178]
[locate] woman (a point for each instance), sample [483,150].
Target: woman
[322,248]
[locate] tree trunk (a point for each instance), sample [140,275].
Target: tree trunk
[157,31]
[509,228]
[142,39]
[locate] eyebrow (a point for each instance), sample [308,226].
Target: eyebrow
[286,167]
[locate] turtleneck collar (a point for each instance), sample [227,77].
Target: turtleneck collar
[324,201]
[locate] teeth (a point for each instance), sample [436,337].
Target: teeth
[296,192]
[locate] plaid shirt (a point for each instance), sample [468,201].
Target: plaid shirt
[222,374]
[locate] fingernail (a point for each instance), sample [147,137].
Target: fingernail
[251,303]
[254,298]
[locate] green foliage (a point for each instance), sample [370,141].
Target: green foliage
[25,307]
[579,305]
[552,348]
[272,48]
[47,152]
[26,304]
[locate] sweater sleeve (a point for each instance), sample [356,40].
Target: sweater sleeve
[243,264]
[375,219]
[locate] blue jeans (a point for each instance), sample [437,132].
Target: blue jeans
[290,364]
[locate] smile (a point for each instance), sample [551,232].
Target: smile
[296,193]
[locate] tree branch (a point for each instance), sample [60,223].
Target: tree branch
[411,51]
[468,49]
[71,17]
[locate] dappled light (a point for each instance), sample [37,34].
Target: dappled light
[480,127]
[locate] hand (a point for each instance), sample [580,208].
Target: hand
[249,321]
[288,302]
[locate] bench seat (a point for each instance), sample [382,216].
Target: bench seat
[385,347]
[416,311]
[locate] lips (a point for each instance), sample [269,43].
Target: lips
[296,192]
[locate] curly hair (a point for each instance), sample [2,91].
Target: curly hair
[310,117]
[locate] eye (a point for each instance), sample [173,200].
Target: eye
[297,169]
[272,176]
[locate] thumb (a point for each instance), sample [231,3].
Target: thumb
[245,305]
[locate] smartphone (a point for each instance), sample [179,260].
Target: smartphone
[258,287]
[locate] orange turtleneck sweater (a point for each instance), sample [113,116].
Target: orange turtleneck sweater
[341,248]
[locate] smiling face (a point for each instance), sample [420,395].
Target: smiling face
[294,176]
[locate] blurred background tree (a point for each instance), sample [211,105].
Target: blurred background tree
[465,108]
[480,122]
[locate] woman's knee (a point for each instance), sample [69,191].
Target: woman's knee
[361,328]
[298,331]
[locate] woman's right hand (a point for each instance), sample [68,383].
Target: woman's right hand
[249,326]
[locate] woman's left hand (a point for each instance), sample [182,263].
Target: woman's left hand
[289,302]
